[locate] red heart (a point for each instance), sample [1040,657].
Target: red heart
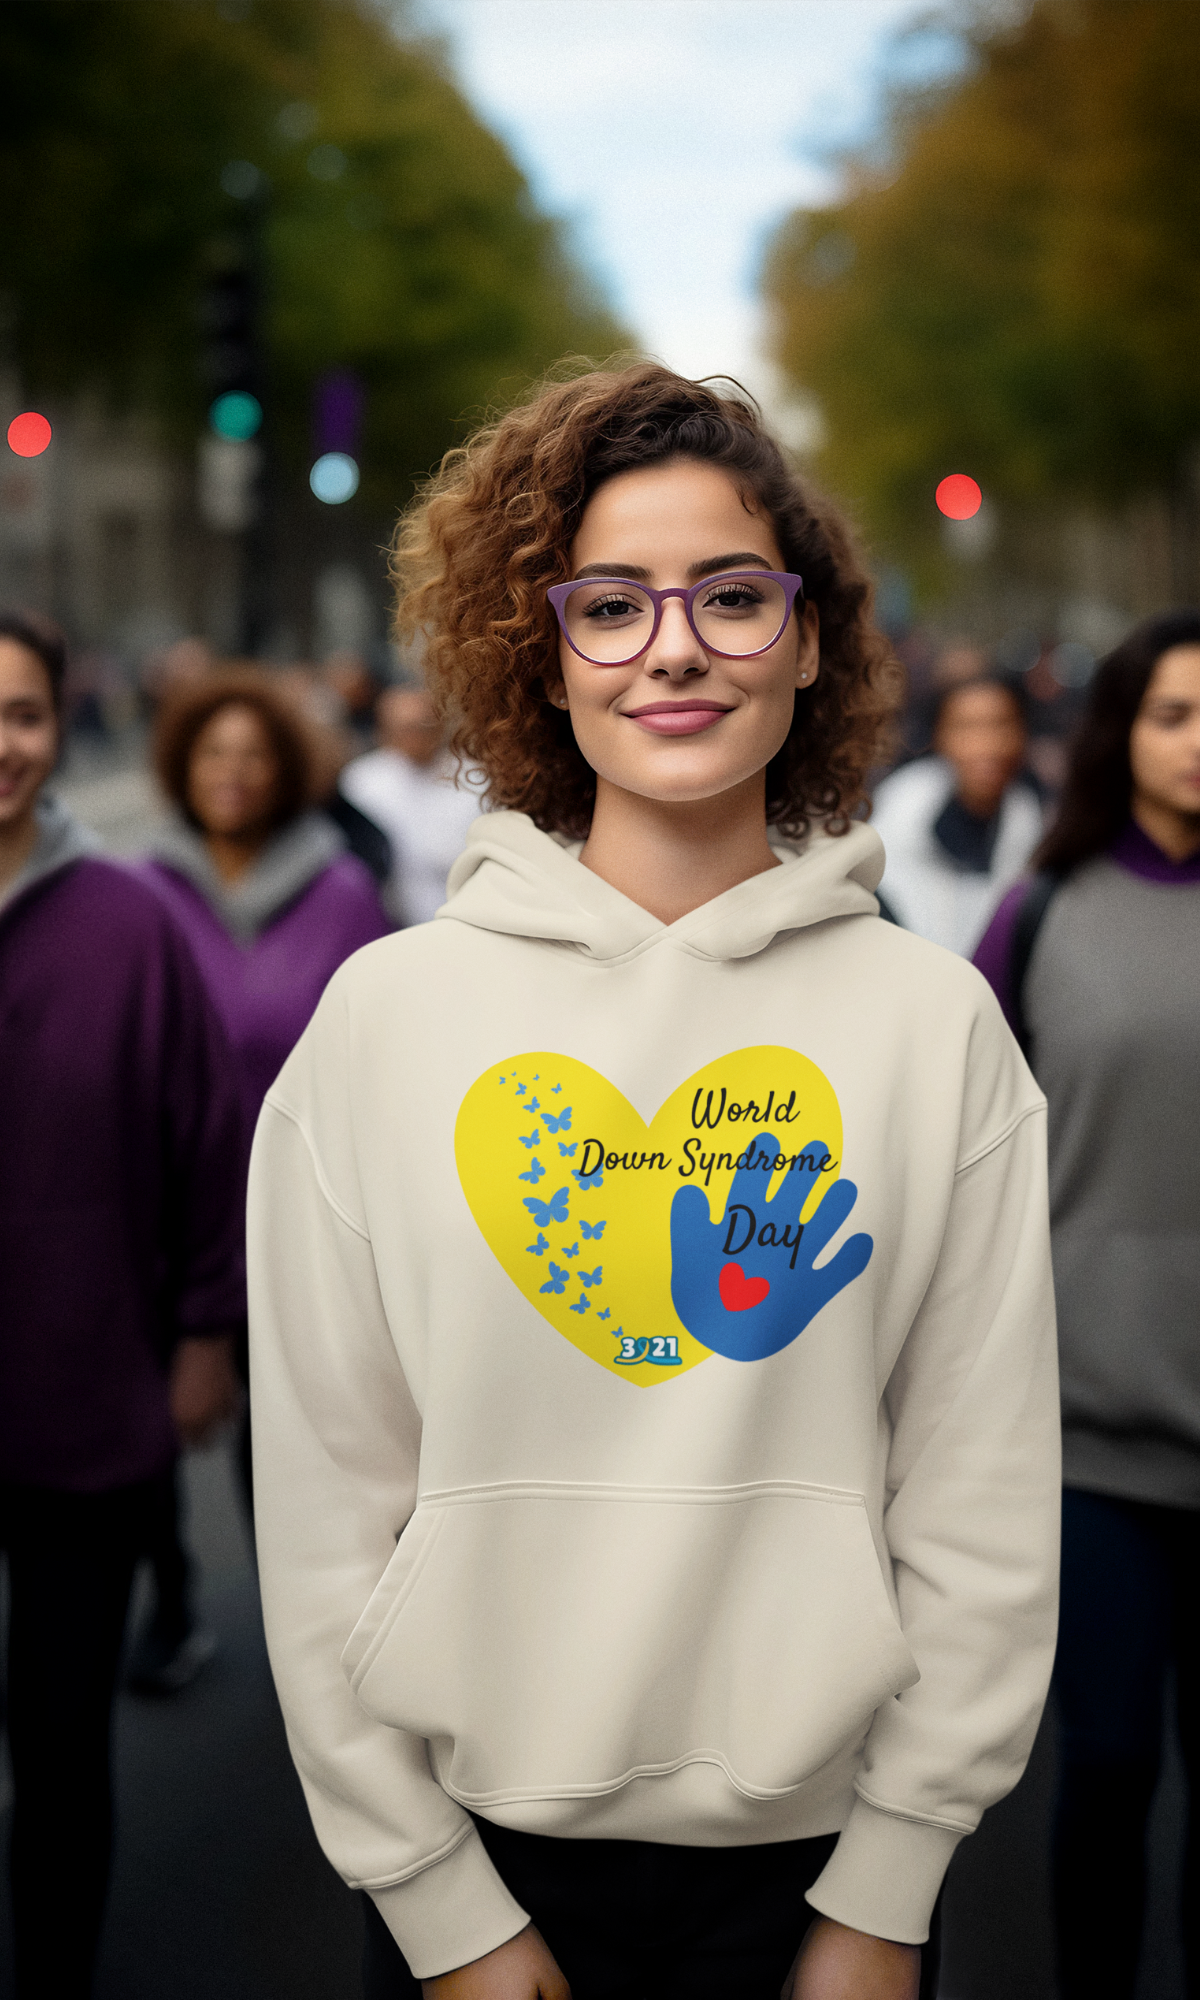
[738,1292]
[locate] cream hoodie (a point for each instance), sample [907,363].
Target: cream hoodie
[655,1413]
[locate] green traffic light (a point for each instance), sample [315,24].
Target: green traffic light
[236,414]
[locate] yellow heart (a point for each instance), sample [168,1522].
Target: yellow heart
[573,1191]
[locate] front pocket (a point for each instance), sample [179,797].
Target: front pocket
[388,1598]
[559,1640]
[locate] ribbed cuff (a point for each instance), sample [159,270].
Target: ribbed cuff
[452,1913]
[884,1874]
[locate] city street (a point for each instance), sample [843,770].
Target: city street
[749,452]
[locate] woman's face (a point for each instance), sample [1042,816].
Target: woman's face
[28,730]
[1164,743]
[233,774]
[679,723]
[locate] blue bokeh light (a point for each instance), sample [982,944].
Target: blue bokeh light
[334,478]
[237,414]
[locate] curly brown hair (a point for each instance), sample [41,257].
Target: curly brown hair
[191,706]
[492,530]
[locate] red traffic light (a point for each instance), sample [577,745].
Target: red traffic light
[958,496]
[29,434]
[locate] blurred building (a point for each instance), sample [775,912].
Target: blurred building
[132,543]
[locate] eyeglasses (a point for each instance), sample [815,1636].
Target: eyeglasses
[609,621]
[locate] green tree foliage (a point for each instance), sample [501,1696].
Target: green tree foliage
[399,237]
[1017,293]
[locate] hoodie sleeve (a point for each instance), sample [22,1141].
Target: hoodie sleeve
[972,1524]
[202,1137]
[334,1421]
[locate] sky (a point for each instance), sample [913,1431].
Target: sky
[673,135]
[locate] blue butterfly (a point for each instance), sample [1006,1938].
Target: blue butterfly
[570,1249]
[592,1228]
[531,1106]
[591,1277]
[581,1305]
[536,1249]
[557,1281]
[570,1151]
[546,1212]
[588,1180]
[556,1089]
[606,1314]
[520,1090]
[533,1138]
[557,1122]
[536,1170]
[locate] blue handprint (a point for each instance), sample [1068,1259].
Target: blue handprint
[747,1285]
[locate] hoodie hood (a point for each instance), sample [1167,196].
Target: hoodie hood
[291,859]
[61,839]
[512,878]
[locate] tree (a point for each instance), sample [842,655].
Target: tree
[1016,294]
[399,238]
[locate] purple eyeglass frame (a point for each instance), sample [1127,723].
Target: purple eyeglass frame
[793,587]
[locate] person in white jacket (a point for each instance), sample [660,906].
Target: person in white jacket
[657,1463]
[958,827]
[409,786]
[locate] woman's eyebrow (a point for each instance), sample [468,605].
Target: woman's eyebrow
[630,570]
[740,560]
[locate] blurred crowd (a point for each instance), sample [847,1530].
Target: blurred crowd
[307,811]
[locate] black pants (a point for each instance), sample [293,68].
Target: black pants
[70,1565]
[635,1920]
[1130,1608]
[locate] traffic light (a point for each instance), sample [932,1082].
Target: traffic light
[232,358]
[235,485]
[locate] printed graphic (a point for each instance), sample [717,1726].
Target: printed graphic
[650,1247]
[753,1307]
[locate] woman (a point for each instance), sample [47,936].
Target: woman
[676,1567]
[271,902]
[121,1288]
[1109,1002]
[958,827]
[263,886]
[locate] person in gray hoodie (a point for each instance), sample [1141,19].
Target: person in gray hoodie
[1108,1001]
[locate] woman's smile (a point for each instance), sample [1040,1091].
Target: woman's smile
[677,718]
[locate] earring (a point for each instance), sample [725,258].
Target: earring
[804,677]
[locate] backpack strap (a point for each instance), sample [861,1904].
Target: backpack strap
[1030,918]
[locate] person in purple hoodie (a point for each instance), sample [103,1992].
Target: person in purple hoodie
[271,901]
[1097,965]
[265,888]
[121,1292]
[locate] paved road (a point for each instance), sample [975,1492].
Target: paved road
[220,1889]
